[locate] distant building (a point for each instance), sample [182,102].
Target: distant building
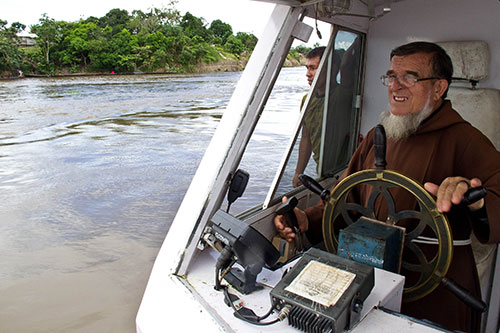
[26,39]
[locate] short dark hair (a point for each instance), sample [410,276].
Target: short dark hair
[316,52]
[442,66]
[319,51]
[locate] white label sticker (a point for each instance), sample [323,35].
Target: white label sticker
[321,283]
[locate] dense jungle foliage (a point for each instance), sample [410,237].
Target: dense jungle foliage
[160,40]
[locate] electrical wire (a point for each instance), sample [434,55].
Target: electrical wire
[225,261]
[316,21]
[255,321]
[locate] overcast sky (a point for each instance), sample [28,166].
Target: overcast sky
[242,15]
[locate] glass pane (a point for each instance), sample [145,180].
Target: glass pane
[277,124]
[270,138]
[330,117]
[339,127]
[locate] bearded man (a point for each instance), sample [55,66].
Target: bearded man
[431,143]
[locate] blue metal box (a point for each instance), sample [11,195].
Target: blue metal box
[372,242]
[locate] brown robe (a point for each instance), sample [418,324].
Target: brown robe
[444,145]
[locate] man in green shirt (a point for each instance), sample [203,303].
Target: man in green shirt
[310,140]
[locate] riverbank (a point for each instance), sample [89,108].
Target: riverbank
[227,65]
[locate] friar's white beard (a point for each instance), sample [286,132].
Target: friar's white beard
[401,127]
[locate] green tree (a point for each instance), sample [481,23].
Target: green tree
[234,45]
[99,51]
[194,26]
[153,21]
[302,49]
[175,43]
[92,19]
[121,52]
[12,31]
[10,54]
[116,18]
[221,31]
[298,52]
[48,33]
[249,40]
[77,42]
[157,39]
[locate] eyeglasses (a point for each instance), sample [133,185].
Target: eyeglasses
[406,80]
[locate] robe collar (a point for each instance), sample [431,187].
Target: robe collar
[444,116]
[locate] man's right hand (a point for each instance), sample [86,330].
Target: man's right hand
[286,231]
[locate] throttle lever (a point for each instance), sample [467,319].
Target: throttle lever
[286,209]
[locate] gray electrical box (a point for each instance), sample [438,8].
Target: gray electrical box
[324,291]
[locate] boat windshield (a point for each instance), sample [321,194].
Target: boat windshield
[327,121]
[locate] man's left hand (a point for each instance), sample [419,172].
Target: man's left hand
[451,191]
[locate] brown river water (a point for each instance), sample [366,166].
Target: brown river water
[92,172]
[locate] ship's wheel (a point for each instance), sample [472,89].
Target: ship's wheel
[428,268]
[423,265]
